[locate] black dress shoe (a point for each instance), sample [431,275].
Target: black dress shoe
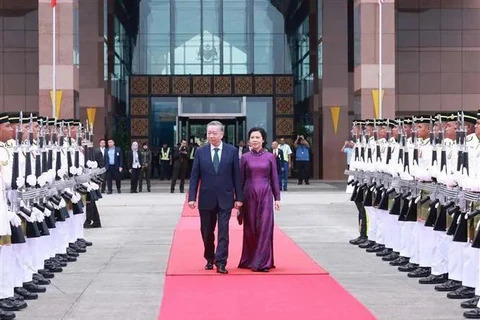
[434,279]
[261,270]
[470,304]
[6,315]
[85,242]
[462,293]
[409,267]
[400,261]
[385,252]
[25,293]
[358,240]
[209,265]
[222,270]
[419,273]
[367,244]
[33,287]
[10,304]
[450,285]
[40,279]
[472,314]
[376,248]
[391,257]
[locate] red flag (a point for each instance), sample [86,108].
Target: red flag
[54,3]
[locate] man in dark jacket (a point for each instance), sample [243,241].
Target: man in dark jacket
[180,166]
[114,166]
[146,157]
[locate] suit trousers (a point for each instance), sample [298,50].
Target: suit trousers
[208,221]
[145,173]
[135,175]
[113,174]
[179,172]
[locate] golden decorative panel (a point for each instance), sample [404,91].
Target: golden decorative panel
[284,126]
[202,85]
[139,85]
[139,106]
[139,127]
[222,85]
[284,85]
[243,85]
[181,85]
[264,85]
[284,106]
[160,85]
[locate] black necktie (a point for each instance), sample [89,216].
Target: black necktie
[216,160]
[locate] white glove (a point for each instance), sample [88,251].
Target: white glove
[38,215]
[32,180]
[14,219]
[47,212]
[20,182]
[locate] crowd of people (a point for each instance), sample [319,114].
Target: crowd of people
[175,163]
[416,184]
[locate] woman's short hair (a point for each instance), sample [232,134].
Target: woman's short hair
[263,133]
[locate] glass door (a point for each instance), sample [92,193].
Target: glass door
[240,129]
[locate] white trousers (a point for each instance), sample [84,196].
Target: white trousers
[455,260]
[426,246]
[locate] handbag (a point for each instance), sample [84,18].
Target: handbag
[240,217]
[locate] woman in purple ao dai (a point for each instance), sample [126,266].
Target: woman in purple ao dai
[261,193]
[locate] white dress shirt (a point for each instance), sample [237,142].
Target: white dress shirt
[212,151]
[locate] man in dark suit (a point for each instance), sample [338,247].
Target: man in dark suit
[278,153]
[216,165]
[100,158]
[114,166]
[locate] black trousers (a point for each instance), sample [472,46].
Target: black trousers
[303,171]
[208,221]
[362,218]
[135,175]
[179,172]
[92,214]
[144,173]
[165,171]
[113,174]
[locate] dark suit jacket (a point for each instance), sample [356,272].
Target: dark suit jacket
[280,158]
[99,157]
[222,188]
[118,158]
[130,159]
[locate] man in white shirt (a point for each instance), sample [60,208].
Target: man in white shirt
[287,158]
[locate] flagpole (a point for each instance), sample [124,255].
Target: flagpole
[54,59]
[380,62]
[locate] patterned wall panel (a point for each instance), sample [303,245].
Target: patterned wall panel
[284,85]
[181,85]
[202,85]
[284,105]
[139,85]
[222,85]
[243,85]
[139,127]
[264,85]
[139,106]
[160,85]
[284,126]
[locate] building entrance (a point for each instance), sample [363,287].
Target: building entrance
[194,129]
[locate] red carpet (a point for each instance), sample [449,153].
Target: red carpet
[297,288]
[259,298]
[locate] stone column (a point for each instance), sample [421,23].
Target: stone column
[335,87]
[367,54]
[66,71]
[91,79]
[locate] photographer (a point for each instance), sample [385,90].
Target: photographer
[180,166]
[302,159]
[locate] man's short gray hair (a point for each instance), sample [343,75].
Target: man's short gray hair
[216,124]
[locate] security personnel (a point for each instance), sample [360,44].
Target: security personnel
[166,161]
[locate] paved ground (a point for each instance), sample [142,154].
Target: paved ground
[121,276]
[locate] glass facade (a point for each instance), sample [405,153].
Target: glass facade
[179,37]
